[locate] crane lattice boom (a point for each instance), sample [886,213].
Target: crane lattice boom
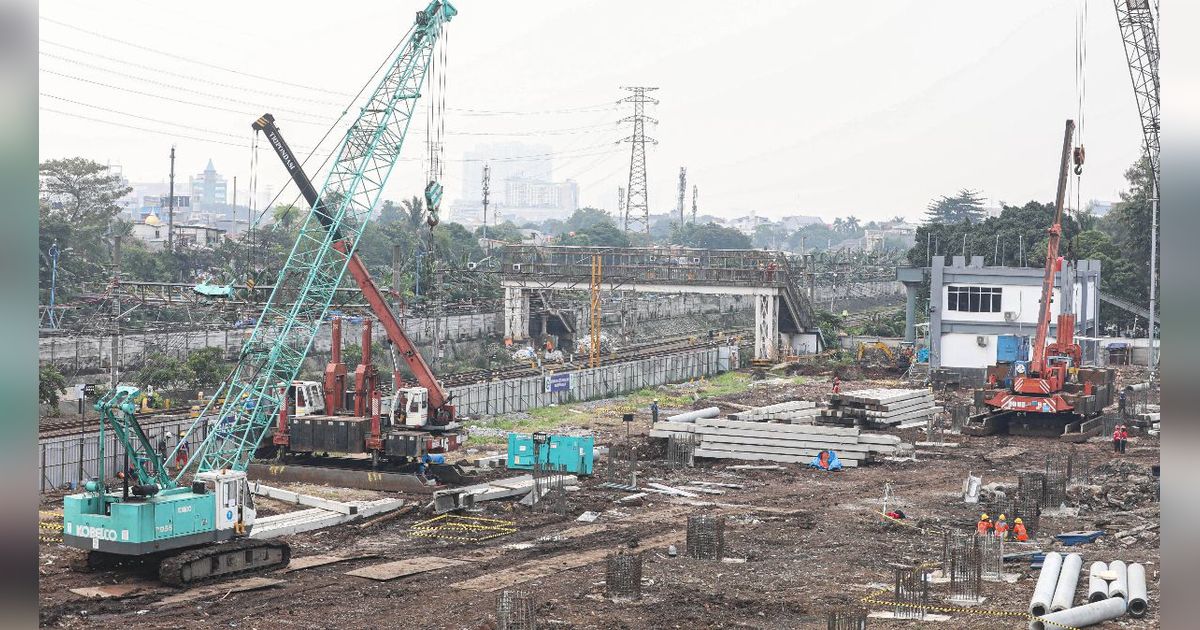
[305,288]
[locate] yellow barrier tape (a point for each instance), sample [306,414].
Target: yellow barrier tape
[489,529]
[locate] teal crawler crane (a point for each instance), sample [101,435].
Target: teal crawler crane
[201,530]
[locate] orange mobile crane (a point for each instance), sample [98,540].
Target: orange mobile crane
[1051,392]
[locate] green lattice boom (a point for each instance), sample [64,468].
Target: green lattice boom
[272,356]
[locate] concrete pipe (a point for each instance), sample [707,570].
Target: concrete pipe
[1047,580]
[1120,586]
[1136,580]
[1097,586]
[1081,616]
[1137,387]
[1068,581]
[692,416]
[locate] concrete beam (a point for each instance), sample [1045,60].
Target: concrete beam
[533,284]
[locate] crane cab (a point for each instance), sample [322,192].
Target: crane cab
[414,407]
[306,398]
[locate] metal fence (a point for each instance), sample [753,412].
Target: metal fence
[59,457]
[522,394]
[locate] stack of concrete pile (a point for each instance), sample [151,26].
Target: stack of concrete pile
[780,442]
[794,412]
[1112,590]
[879,408]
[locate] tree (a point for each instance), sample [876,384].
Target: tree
[605,234]
[1129,222]
[966,206]
[162,371]
[710,236]
[207,367]
[852,224]
[51,385]
[414,209]
[584,218]
[77,208]
[286,215]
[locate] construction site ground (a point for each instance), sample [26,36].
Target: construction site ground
[800,543]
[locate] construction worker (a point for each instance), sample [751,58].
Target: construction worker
[1117,439]
[1019,530]
[1121,404]
[1001,528]
[654,411]
[984,526]
[1124,438]
[837,384]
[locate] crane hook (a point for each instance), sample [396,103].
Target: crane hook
[1079,156]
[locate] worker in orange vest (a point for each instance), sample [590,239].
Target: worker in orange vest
[1117,439]
[1019,530]
[1001,528]
[984,526]
[837,385]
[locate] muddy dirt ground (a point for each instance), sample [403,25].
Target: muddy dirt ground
[799,544]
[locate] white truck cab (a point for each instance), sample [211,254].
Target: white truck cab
[409,407]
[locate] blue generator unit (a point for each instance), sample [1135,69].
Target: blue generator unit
[573,453]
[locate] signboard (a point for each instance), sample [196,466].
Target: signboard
[89,389]
[558,383]
[181,201]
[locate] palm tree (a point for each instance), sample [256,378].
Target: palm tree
[415,210]
[285,216]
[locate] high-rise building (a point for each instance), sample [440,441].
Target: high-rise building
[208,189]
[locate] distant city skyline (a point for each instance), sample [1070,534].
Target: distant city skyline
[874,118]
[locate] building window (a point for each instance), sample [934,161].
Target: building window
[973,299]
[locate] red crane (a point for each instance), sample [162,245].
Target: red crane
[1045,388]
[441,412]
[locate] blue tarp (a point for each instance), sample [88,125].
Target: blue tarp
[834,462]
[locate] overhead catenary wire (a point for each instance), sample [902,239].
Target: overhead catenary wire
[188,59]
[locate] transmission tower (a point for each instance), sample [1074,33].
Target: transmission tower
[1138,20]
[682,194]
[637,204]
[695,193]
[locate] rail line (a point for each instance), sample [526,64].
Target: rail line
[57,427]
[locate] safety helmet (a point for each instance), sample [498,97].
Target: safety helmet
[1001,517]
[1018,520]
[983,517]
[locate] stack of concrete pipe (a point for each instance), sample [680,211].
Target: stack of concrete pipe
[1054,593]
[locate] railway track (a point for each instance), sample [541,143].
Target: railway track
[57,427]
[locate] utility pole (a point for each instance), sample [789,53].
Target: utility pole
[115,351]
[695,193]
[637,204]
[170,209]
[487,175]
[682,193]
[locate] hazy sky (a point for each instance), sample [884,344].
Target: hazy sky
[829,108]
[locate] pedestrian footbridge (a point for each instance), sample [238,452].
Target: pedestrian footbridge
[784,318]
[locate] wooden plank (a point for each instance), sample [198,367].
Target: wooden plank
[115,591]
[409,566]
[219,590]
[774,426]
[768,457]
[779,436]
[320,560]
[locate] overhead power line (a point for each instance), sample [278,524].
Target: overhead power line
[173,86]
[189,59]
